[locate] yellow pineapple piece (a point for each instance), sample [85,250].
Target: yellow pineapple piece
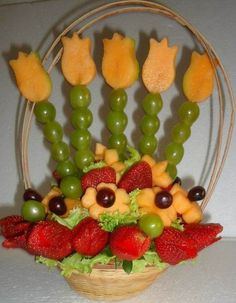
[181,203]
[149,160]
[193,214]
[111,156]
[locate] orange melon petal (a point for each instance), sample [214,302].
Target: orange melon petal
[32,80]
[77,64]
[158,72]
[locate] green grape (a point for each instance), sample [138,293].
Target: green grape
[33,211]
[118,99]
[152,104]
[171,170]
[80,96]
[44,111]
[148,145]
[116,122]
[81,118]
[119,142]
[151,224]
[53,131]
[66,168]
[80,138]
[60,151]
[174,153]
[180,133]
[71,187]
[189,112]
[83,157]
[149,125]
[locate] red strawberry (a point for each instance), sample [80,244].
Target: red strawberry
[50,239]
[129,242]
[95,176]
[16,242]
[138,176]
[173,247]
[15,229]
[89,239]
[203,234]
[11,220]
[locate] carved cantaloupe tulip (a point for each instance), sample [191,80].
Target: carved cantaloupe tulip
[158,72]
[198,81]
[77,64]
[32,80]
[120,67]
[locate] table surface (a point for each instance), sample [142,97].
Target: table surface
[34,25]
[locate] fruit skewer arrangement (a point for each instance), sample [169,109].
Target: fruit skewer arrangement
[114,206]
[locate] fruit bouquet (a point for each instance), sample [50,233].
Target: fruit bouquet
[114,214]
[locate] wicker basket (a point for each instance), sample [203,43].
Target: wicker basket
[105,282]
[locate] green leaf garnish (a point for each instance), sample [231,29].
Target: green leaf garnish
[75,216]
[109,221]
[94,165]
[127,266]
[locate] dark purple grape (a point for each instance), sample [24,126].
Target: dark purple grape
[177,181]
[105,197]
[31,194]
[197,193]
[163,199]
[57,206]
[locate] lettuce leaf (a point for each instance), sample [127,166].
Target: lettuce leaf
[83,264]
[46,261]
[109,221]
[134,157]
[178,224]
[75,216]
[94,165]
[150,258]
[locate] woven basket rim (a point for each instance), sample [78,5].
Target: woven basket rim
[119,7]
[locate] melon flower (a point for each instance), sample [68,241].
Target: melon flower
[78,66]
[120,67]
[32,79]
[198,81]
[158,72]
[105,198]
[146,200]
